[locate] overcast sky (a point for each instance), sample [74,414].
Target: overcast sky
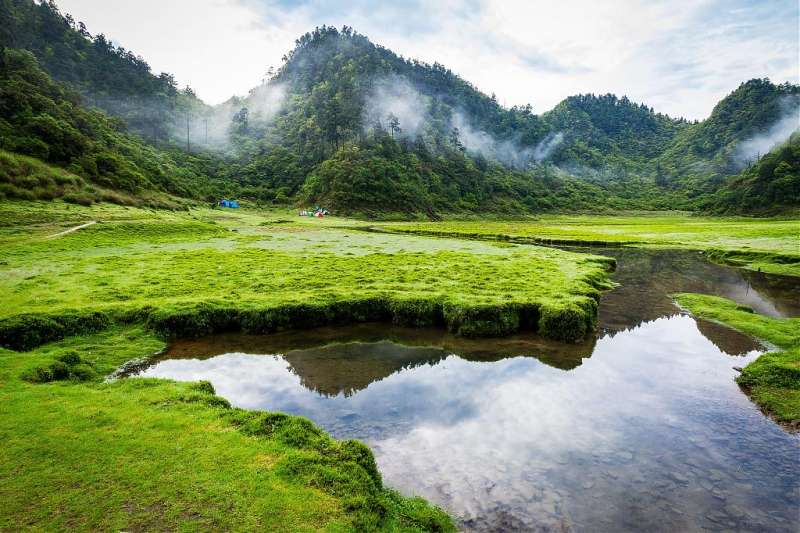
[678,56]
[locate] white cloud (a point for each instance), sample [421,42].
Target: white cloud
[750,150]
[218,47]
[679,57]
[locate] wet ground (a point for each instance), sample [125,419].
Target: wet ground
[641,429]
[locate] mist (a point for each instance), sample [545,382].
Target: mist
[191,123]
[509,152]
[395,95]
[750,150]
[263,104]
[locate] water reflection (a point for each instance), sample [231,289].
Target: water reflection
[647,278]
[347,359]
[650,433]
[643,429]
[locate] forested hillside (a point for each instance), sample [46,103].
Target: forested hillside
[351,125]
[47,121]
[107,76]
[603,130]
[773,182]
[742,127]
[364,130]
[360,126]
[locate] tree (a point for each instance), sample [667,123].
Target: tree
[394,124]
[661,177]
[455,139]
[240,120]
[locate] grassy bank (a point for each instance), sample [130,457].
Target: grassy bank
[772,380]
[79,454]
[208,271]
[769,245]
[83,454]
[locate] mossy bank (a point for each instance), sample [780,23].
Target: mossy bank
[210,271]
[81,453]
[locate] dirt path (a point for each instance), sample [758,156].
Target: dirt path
[70,230]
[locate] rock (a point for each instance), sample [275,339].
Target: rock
[680,478]
[734,511]
[718,494]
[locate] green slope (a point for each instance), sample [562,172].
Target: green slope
[352,125]
[45,120]
[772,184]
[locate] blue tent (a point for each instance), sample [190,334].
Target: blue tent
[234,204]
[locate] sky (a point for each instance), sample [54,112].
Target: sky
[678,56]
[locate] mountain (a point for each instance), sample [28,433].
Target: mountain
[351,125]
[771,184]
[364,130]
[602,129]
[47,121]
[107,76]
[742,127]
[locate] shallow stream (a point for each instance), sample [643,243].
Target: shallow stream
[640,429]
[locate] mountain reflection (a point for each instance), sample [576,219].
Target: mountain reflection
[648,278]
[344,360]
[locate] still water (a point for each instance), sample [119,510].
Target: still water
[640,429]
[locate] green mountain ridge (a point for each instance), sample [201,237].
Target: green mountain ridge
[772,182]
[351,125]
[47,121]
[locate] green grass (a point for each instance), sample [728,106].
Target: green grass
[770,245]
[209,270]
[772,380]
[80,453]
[143,454]
[28,178]
[138,454]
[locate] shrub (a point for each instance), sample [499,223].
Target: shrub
[79,199]
[68,365]
[27,331]
[70,358]
[40,374]
[82,372]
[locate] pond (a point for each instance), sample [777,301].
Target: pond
[640,429]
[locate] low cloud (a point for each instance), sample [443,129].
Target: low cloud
[548,145]
[507,151]
[753,148]
[396,96]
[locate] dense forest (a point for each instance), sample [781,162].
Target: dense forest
[351,125]
[771,183]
